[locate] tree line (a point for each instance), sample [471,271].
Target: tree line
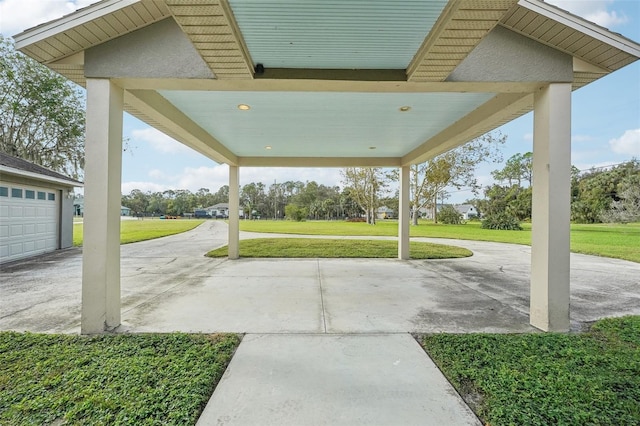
[308,200]
[605,194]
[365,190]
[610,194]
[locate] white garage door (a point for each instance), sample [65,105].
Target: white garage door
[28,221]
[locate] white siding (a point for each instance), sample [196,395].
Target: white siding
[28,226]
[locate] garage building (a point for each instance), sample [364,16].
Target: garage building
[36,209]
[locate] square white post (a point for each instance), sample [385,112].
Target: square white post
[403,214]
[234,212]
[102,197]
[549,304]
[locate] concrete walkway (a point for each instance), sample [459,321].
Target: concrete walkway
[327,339]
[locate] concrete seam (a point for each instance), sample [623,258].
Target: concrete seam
[324,317]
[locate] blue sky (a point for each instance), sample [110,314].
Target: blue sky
[605,118]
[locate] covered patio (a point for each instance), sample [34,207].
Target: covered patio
[302,84]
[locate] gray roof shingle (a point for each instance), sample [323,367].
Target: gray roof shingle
[27,166]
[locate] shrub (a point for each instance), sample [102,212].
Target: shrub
[450,216]
[503,221]
[356,219]
[295,212]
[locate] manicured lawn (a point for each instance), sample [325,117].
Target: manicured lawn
[316,247]
[110,379]
[132,231]
[617,241]
[546,379]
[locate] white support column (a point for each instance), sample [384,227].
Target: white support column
[234,212]
[102,196]
[549,305]
[403,214]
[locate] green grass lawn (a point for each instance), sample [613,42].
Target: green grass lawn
[617,241]
[323,248]
[546,379]
[152,379]
[132,231]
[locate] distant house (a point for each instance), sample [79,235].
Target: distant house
[466,210]
[78,208]
[220,210]
[427,212]
[36,209]
[385,212]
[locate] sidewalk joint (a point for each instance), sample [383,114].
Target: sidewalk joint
[324,318]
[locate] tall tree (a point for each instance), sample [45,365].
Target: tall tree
[137,201]
[430,180]
[253,198]
[366,184]
[221,196]
[509,201]
[596,189]
[627,208]
[517,170]
[203,198]
[512,201]
[41,114]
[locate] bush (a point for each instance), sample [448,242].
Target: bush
[356,219]
[295,212]
[502,221]
[450,216]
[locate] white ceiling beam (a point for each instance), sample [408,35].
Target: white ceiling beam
[319,162]
[302,85]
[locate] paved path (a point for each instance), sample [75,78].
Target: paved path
[327,339]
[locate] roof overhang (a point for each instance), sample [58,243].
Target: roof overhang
[11,171]
[360,83]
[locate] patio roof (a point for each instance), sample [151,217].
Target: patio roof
[351,83]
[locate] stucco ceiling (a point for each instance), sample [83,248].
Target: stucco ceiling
[312,124]
[344,34]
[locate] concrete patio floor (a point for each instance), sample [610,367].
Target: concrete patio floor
[168,285]
[327,339]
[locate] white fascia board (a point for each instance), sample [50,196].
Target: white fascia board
[74,19]
[586,27]
[38,176]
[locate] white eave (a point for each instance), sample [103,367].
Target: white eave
[582,25]
[67,22]
[85,28]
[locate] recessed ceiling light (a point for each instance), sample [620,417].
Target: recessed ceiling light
[372,147]
[268,147]
[404,108]
[244,107]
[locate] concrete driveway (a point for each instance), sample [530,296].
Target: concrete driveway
[327,340]
[168,285]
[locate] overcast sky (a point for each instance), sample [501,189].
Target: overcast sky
[605,118]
